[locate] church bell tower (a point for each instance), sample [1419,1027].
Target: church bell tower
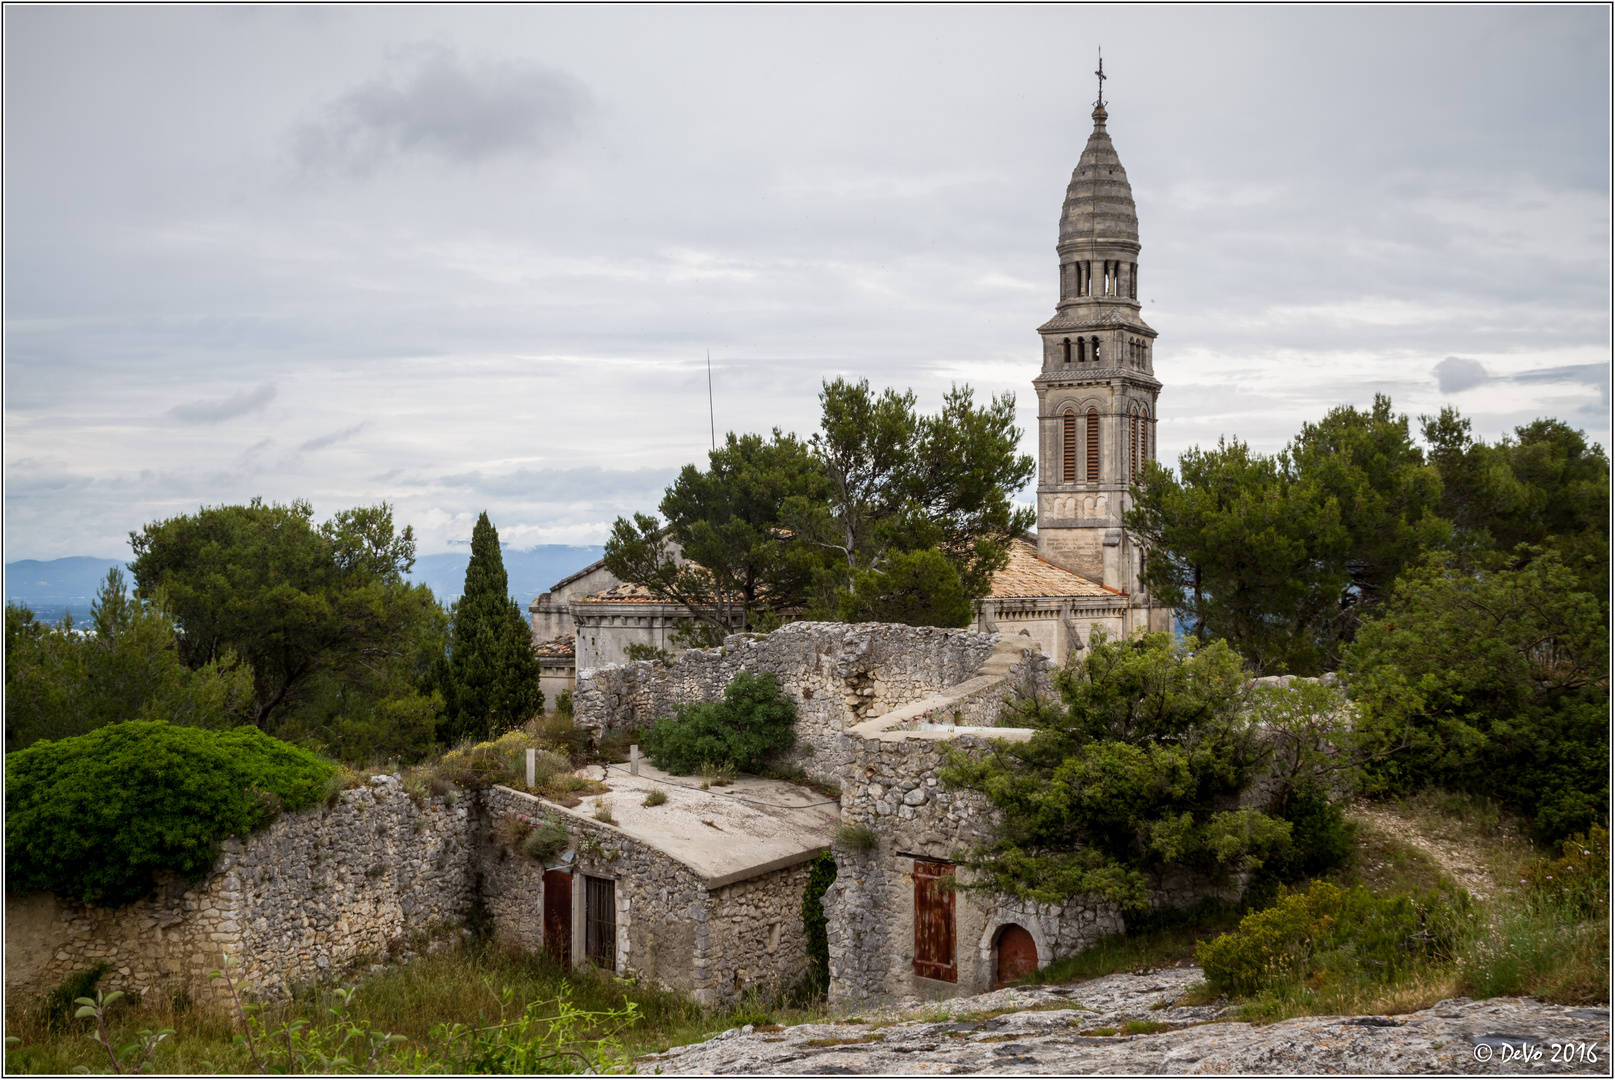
[1097,390]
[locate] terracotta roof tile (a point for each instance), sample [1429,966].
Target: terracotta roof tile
[621,594]
[1029,574]
[565,645]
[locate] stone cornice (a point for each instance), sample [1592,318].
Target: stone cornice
[1097,375]
[1106,314]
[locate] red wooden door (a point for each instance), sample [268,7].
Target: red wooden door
[558,916]
[1017,954]
[933,921]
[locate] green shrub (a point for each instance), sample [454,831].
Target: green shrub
[1132,772]
[92,817]
[752,721]
[1329,932]
[1494,682]
[656,798]
[563,704]
[1320,836]
[1578,880]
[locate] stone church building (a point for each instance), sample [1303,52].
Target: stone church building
[1096,395]
[1096,410]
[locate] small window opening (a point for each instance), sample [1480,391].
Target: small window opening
[1066,345]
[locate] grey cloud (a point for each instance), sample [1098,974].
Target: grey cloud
[448,109]
[1457,373]
[589,482]
[1593,374]
[320,442]
[215,410]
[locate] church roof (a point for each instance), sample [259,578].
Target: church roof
[1029,574]
[565,645]
[626,593]
[1099,200]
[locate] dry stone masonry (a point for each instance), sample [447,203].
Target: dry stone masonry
[316,892]
[712,938]
[837,674]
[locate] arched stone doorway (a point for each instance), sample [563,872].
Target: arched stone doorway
[1017,954]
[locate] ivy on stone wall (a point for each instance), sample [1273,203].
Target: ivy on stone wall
[815,923]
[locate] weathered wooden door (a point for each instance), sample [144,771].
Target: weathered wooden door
[933,921]
[558,916]
[1017,954]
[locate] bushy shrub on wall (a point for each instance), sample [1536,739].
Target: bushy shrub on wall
[752,721]
[92,817]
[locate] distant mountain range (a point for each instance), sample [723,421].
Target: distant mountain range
[54,587]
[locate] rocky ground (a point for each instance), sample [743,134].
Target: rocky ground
[1090,1028]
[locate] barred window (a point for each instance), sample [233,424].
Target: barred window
[600,929]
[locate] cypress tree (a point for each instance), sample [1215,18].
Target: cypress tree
[492,678]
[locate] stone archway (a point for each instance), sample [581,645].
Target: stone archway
[1024,920]
[1015,953]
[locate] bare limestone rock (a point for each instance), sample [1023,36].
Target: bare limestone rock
[1055,1030]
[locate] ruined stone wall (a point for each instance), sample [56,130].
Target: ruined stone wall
[838,675]
[317,891]
[892,788]
[715,944]
[757,943]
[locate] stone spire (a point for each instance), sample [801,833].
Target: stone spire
[1097,390]
[1099,207]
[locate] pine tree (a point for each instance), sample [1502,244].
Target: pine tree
[492,679]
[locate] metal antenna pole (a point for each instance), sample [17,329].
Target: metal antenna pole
[712,414]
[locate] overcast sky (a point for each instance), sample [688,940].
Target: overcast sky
[465,259]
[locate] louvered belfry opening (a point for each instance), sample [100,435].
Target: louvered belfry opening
[1133,452]
[1093,446]
[600,927]
[1070,446]
[933,922]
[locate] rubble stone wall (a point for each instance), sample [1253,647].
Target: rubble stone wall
[838,675]
[716,944]
[892,788]
[316,892]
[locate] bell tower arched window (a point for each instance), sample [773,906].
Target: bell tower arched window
[1066,346]
[1069,447]
[1133,433]
[1093,446]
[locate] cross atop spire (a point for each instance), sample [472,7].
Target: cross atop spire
[1100,104]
